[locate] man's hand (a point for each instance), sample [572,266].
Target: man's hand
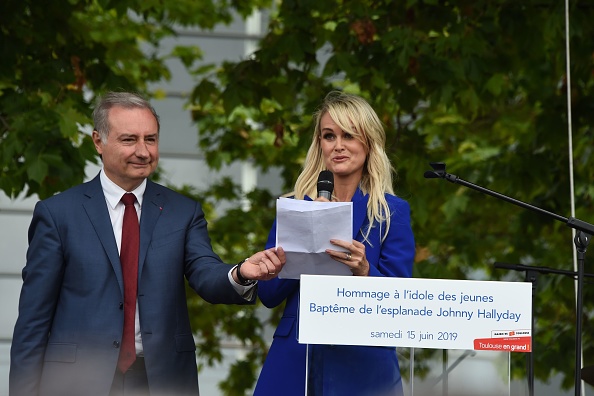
[263,265]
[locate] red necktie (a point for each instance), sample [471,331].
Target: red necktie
[129,261]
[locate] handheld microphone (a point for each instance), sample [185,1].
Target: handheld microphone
[325,184]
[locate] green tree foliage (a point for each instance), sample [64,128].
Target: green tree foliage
[480,85]
[57,55]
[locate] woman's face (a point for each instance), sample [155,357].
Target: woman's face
[344,155]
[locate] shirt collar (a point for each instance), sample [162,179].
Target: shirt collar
[113,193]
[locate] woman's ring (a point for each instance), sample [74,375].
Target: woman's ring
[348,256]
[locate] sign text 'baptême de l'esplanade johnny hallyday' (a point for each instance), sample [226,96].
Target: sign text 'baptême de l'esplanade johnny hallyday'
[415,312]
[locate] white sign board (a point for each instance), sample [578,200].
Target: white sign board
[416,312]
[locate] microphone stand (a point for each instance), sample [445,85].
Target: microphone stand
[532,276]
[582,237]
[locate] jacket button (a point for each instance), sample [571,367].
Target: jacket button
[121,305]
[116,344]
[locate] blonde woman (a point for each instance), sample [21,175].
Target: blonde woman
[349,141]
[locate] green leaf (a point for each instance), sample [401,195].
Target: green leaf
[70,121]
[495,84]
[37,170]
[188,54]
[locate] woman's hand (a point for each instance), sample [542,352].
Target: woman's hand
[354,257]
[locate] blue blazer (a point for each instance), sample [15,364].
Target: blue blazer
[67,335]
[284,369]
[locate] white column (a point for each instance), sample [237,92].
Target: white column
[249,177]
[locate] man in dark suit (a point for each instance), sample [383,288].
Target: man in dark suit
[70,331]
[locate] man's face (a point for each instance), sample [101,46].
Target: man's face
[131,152]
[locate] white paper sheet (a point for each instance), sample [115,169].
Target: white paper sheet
[304,230]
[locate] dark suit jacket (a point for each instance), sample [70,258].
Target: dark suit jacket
[66,339]
[341,370]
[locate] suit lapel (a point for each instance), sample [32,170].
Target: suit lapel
[359,211]
[152,206]
[96,209]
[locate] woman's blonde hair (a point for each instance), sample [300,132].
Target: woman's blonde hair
[355,116]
